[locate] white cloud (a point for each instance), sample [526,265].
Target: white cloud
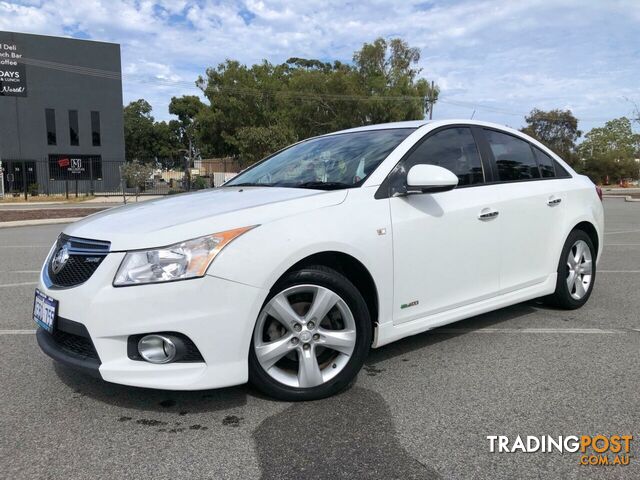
[509,56]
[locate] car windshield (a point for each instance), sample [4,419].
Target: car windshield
[336,161]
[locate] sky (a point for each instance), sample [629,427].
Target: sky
[494,60]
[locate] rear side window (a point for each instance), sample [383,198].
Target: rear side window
[546,163]
[453,149]
[561,172]
[514,158]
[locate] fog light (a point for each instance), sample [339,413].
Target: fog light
[157,349]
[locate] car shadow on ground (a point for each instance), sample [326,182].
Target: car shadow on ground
[350,435]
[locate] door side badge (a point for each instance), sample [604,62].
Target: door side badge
[410,304]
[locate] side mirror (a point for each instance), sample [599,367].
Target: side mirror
[430,179]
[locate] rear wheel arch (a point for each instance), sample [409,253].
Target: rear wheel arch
[589,229]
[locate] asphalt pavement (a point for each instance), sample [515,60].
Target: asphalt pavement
[421,408]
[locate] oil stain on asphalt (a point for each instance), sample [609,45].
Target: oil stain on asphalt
[232,420]
[350,435]
[372,370]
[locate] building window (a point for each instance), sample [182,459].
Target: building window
[74,136]
[50,118]
[95,129]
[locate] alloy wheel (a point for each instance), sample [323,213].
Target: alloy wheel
[579,269]
[304,336]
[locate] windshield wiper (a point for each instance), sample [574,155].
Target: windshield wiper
[250,184]
[321,185]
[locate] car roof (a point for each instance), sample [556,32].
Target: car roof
[415,124]
[432,124]
[385,126]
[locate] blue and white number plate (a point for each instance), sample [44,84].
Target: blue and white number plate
[45,310]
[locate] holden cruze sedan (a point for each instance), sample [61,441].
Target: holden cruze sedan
[288,274]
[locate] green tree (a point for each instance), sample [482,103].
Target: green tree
[387,74]
[610,152]
[145,139]
[187,108]
[307,97]
[557,129]
[138,129]
[167,144]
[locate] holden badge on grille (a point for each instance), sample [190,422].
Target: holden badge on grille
[60,258]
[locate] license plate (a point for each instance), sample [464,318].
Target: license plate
[45,311]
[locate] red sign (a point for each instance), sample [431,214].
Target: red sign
[63,162]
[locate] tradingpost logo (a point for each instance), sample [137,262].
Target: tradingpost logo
[601,450]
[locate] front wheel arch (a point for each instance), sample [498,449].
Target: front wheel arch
[352,268]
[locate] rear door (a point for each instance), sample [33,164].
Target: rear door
[445,251]
[530,207]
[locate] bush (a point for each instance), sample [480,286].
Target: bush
[34,189]
[136,174]
[200,183]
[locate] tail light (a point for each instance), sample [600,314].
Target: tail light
[599,192]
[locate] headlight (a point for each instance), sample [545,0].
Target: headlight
[189,259]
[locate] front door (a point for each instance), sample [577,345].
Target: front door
[445,245]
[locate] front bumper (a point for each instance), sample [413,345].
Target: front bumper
[217,315]
[56,347]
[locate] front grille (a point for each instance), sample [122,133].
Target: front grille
[74,260]
[75,344]
[73,338]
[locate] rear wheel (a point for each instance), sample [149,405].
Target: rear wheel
[311,336]
[576,272]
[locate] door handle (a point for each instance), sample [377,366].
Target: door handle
[488,214]
[553,201]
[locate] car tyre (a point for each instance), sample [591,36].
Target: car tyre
[576,272]
[309,292]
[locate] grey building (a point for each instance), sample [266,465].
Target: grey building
[61,124]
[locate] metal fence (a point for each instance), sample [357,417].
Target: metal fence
[81,175]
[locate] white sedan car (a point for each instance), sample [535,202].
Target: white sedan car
[287,275]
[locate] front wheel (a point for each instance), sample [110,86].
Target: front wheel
[311,337]
[576,272]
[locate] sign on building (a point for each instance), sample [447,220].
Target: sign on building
[76,166]
[13,75]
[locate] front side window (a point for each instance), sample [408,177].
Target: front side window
[454,149]
[74,136]
[332,162]
[514,158]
